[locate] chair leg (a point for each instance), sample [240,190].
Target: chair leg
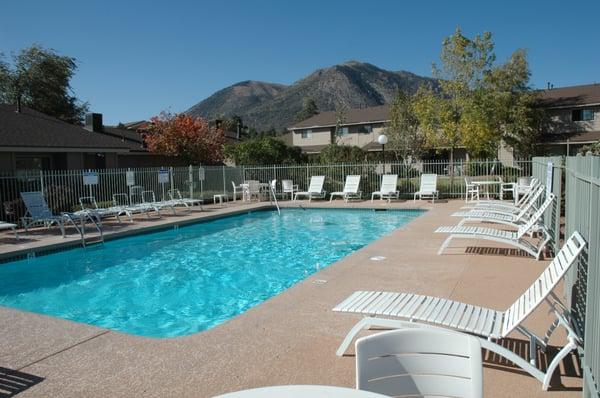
[445,245]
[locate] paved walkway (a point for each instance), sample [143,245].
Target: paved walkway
[289,339]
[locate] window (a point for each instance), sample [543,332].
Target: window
[306,134]
[343,131]
[32,162]
[581,115]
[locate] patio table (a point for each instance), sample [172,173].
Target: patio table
[302,391]
[486,185]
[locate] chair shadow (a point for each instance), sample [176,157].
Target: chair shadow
[569,367]
[496,251]
[13,382]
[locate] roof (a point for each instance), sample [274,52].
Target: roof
[588,94]
[33,129]
[576,137]
[353,116]
[313,148]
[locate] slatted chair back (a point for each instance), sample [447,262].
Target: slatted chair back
[535,217]
[352,184]
[428,183]
[288,185]
[316,184]
[533,199]
[544,284]
[88,202]
[528,191]
[420,362]
[120,199]
[148,197]
[389,183]
[175,194]
[36,205]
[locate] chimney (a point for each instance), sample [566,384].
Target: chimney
[93,122]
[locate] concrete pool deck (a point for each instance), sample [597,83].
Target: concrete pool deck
[289,339]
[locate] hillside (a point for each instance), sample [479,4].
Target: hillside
[266,105]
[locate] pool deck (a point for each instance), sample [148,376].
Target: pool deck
[289,339]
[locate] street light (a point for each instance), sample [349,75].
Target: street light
[382,139]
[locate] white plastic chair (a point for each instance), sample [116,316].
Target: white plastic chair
[251,189]
[237,190]
[428,188]
[315,189]
[388,189]
[350,189]
[289,187]
[471,190]
[420,363]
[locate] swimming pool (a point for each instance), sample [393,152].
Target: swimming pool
[188,279]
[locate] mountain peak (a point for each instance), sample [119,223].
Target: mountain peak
[265,105]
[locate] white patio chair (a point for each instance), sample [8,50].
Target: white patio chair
[315,189]
[38,212]
[493,203]
[388,188]
[88,203]
[420,363]
[471,190]
[251,189]
[516,239]
[390,310]
[287,186]
[123,201]
[428,188]
[350,189]
[237,190]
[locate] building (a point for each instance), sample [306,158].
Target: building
[573,121]
[573,118]
[360,128]
[32,140]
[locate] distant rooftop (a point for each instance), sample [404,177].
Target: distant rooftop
[588,94]
[353,116]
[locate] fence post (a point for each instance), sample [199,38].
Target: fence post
[191,180]
[224,186]
[42,181]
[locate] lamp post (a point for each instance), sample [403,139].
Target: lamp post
[382,139]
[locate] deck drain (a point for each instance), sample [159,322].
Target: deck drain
[319,281]
[378,258]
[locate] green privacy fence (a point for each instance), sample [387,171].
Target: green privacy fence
[582,285]
[63,188]
[549,170]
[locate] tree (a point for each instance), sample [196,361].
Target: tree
[479,104]
[341,112]
[309,109]
[335,153]
[189,138]
[405,137]
[40,79]
[263,150]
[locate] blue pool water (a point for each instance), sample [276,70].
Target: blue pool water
[177,282]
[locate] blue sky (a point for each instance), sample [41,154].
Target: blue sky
[137,58]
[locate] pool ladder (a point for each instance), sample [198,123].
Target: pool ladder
[89,216]
[273,198]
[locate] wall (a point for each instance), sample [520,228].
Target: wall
[560,121]
[321,136]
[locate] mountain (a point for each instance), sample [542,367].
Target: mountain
[267,105]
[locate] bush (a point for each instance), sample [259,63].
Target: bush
[263,151]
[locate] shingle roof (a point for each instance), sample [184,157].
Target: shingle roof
[570,96]
[31,128]
[353,116]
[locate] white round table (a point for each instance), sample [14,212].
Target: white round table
[302,391]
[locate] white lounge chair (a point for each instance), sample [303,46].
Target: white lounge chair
[89,204]
[287,186]
[149,199]
[531,202]
[428,188]
[6,225]
[178,200]
[350,189]
[487,323]
[315,189]
[504,204]
[123,201]
[38,212]
[388,188]
[515,239]
[420,363]
[499,215]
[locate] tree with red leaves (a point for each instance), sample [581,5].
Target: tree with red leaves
[189,138]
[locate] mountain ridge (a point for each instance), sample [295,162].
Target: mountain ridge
[265,105]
